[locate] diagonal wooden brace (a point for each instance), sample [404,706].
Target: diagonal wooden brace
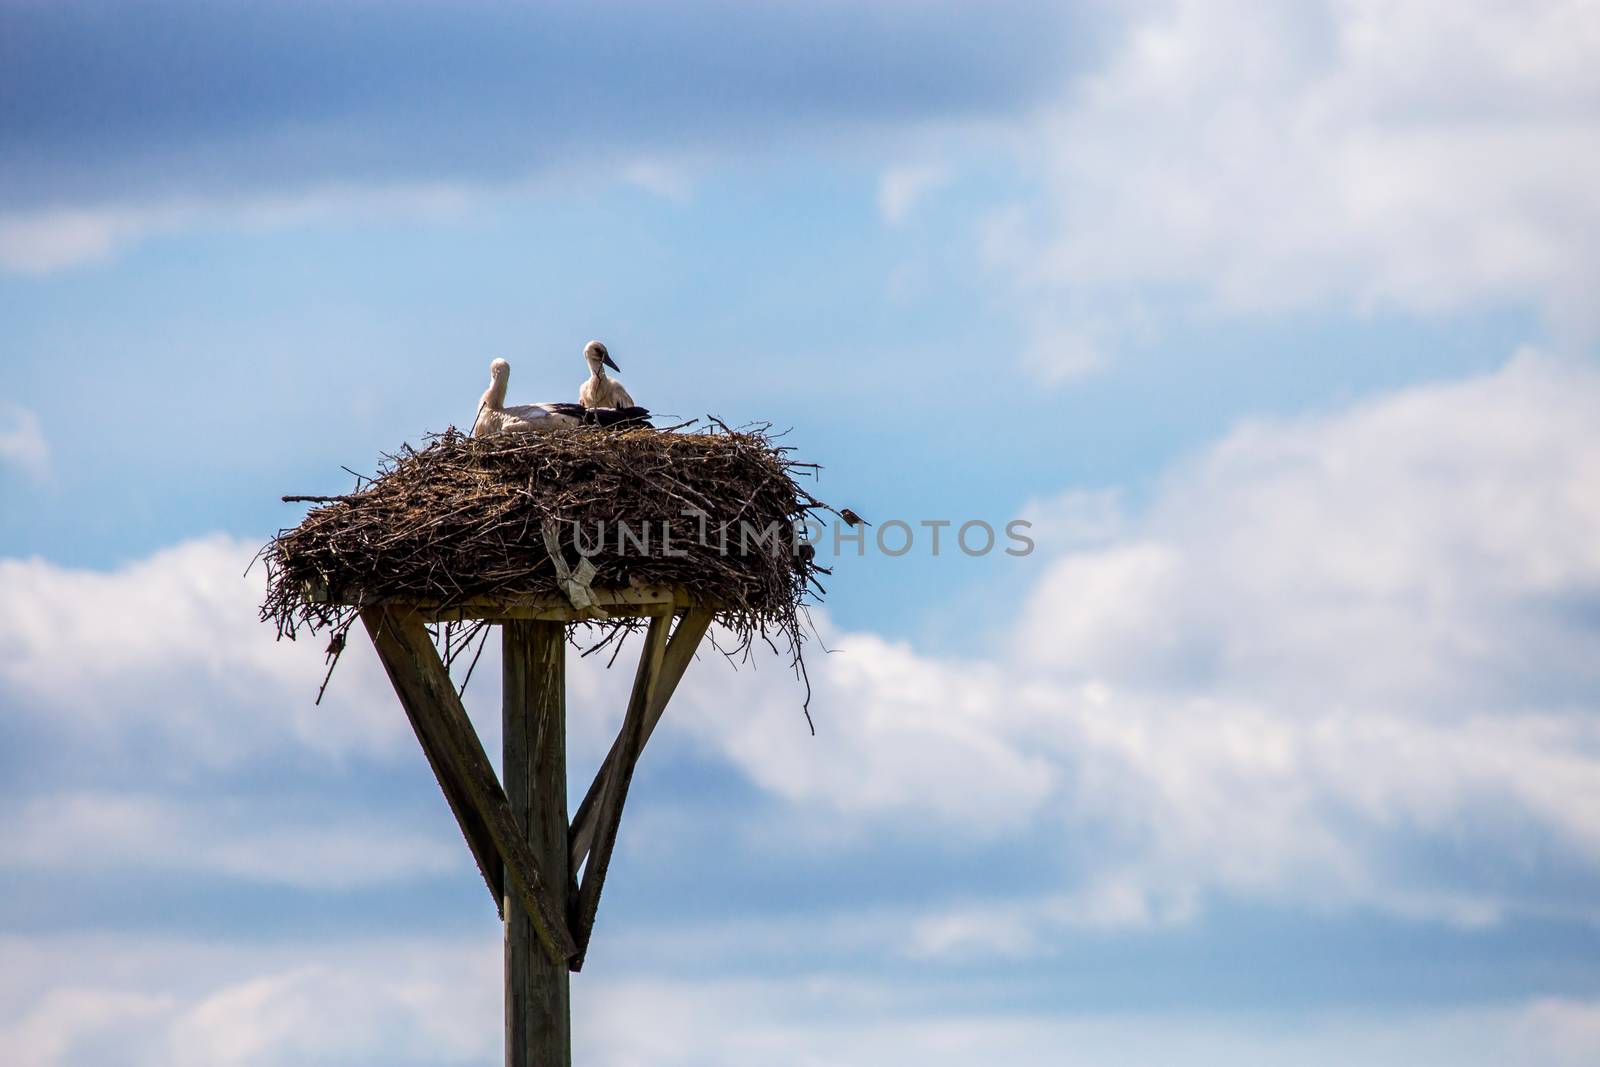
[680,651]
[615,791]
[465,774]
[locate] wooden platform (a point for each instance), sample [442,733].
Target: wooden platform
[618,603]
[527,850]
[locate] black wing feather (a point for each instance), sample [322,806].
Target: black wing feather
[634,416]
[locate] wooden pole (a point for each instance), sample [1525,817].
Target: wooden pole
[534,714]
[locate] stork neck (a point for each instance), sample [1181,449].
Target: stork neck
[494,398]
[597,371]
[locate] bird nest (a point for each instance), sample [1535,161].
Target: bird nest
[714,516]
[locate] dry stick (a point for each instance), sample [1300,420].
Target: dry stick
[335,651]
[471,666]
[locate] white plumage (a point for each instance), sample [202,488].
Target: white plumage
[600,391]
[494,417]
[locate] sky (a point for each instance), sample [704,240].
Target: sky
[1274,319]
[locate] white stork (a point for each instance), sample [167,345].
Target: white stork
[494,417]
[600,391]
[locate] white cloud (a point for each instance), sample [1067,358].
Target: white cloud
[330,1013]
[52,239]
[901,189]
[1028,928]
[832,1020]
[1388,534]
[171,644]
[61,1020]
[1259,155]
[1064,347]
[1324,638]
[108,998]
[44,240]
[22,442]
[672,181]
[903,738]
[101,833]
[47,241]
[415,1001]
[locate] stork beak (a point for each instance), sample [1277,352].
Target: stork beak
[607,360]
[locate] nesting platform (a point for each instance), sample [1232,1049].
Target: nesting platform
[712,516]
[489,532]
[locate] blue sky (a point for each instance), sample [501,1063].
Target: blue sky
[1275,319]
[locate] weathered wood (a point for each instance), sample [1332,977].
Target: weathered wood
[424,687]
[617,603]
[501,613]
[625,601]
[680,652]
[533,716]
[615,792]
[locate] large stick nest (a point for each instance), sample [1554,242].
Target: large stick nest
[463,518]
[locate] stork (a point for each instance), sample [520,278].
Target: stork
[494,417]
[600,391]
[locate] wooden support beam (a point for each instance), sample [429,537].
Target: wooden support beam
[534,768]
[680,652]
[424,688]
[623,602]
[547,613]
[615,791]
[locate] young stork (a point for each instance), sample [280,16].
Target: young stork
[600,391]
[494,417]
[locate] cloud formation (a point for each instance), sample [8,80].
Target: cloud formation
[171,649]
[218,1004]
[87,833]
[1259,156]
[1163,160]
[432,1001]
[22,442]
[1326,641]
[132,121]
